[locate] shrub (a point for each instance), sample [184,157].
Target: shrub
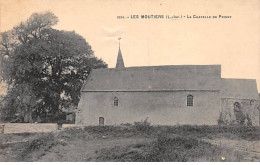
[143,126]
[221,119]
[126,124]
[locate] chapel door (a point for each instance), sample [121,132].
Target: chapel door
[101,121]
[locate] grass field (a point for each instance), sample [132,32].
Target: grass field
[142,143]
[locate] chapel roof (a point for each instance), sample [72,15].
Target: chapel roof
[155,78]
[239,88]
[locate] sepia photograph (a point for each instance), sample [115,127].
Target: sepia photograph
[129,81]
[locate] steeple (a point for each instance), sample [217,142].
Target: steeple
[120,61]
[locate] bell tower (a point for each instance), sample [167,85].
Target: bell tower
[120,61]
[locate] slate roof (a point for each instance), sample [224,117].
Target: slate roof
[155,78]
[239,88]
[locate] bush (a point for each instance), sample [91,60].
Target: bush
[241,119]
[126,124]
[143,126]
[221,120]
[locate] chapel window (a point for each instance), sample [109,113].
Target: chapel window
[115,101]
[189,100]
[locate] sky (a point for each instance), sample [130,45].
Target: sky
[232,42]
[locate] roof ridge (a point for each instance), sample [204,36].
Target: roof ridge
[239,79]
[160,66]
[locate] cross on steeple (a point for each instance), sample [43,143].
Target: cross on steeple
[120,61]
[119,41]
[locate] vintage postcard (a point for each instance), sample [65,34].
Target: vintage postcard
[129,81]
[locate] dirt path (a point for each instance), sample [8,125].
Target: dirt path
[87,150]
[250,149]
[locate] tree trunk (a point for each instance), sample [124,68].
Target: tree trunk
[55,109]
[56,115]
[28,116]
[38,119]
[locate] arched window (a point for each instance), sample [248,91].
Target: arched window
[189,100]
[115,101]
